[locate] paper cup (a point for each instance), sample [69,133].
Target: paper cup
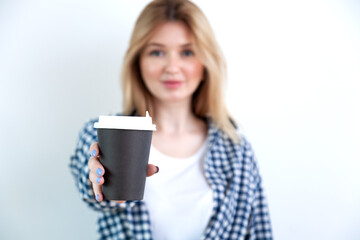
[124,144]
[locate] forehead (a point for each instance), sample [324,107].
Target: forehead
[171,33]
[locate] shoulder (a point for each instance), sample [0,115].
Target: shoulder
[88,127]
[218,135]
[218,139]
[226,154]
[88,130]
[88,134]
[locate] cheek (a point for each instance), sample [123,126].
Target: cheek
[195,71]
[149,70]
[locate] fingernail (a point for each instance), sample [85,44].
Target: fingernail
[157,169]
[98,179]
[97,197]
[93,153]
[99,171]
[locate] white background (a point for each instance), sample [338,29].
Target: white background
[293,85]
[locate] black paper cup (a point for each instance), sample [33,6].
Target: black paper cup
[124,154]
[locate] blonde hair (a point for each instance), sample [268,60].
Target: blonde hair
[208,100]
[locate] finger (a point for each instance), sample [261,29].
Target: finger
[95,179]
[97,186]
[151,170]
[98,192]
[120,201]
[94,150]
[96,167]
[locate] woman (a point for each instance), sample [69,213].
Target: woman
[208,186]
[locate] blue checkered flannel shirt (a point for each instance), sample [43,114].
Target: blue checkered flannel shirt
[240,208]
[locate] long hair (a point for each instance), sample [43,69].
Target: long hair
[208,100]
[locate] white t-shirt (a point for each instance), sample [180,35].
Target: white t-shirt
[178,197]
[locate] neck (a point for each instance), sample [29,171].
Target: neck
[174,117]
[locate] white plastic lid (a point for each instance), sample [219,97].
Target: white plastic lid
[126,122]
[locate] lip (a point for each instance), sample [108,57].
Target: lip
[172,83]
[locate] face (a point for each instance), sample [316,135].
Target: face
[169,66]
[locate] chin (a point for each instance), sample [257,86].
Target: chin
[174,99]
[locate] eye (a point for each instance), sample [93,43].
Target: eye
[188,53]
[156,53]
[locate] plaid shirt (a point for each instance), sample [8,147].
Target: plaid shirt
[240,209]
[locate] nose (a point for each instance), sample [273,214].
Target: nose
[172,64]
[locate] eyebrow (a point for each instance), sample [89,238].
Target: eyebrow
[162,45]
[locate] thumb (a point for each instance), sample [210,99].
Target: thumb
[151,170]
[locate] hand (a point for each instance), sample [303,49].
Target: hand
[97,172]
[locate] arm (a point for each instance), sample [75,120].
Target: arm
[259,222]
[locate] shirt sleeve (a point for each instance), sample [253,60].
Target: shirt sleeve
[80,171]
[259,222]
